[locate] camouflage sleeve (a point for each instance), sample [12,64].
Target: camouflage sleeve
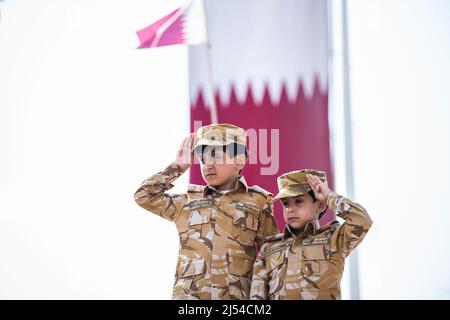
[152,195]
[357,223]
[267,224]
[260,281]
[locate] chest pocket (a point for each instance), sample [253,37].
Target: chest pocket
[316,258]
[245,218]
[200,215]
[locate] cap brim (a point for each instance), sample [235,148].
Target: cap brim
[216,143]
[204,142]
[286,193]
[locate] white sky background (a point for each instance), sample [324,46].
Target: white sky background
[400,89]
[85,118]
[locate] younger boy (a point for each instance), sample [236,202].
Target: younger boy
[307,261]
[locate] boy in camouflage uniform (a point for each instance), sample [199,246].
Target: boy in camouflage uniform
[307,261]
[218,224]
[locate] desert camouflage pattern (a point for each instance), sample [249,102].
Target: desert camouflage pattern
[294,183]
[220,135]
[218,233]
[309,265]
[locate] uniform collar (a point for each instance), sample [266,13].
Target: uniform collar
[310,228]
[241,184]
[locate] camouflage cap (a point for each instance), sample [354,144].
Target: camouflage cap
[294,183]
[220,135]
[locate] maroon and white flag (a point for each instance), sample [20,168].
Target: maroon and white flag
[267,67]
[185,25]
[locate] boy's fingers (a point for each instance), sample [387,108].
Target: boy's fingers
[313,183]
[192,140]
[318,180]
[182,147]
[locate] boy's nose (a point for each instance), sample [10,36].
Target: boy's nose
[289,209]
[208,161]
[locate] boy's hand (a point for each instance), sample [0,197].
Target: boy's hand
[320,188]
[185,154]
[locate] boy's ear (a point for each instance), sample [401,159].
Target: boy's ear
[241,158]
[321,206]
[240,161]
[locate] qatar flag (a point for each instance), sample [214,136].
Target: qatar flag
[266,66]
[185,25]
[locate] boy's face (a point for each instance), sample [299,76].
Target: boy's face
[218,168]
[297,211]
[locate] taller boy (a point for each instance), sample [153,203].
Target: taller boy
[219,224]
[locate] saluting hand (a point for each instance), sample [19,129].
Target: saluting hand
[185,154]
[319,188]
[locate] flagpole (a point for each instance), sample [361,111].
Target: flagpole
[209,73]
[1,11]
[349,173]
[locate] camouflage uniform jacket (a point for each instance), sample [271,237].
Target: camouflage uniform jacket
[309,265]
[217,232]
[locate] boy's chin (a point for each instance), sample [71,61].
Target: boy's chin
[296,226]
[212,181]
[215,181]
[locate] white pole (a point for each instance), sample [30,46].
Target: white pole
[209,74]
[349,174]
[1,11]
